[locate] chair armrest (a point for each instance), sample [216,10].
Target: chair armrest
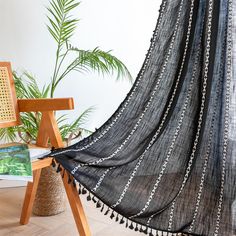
[45,104]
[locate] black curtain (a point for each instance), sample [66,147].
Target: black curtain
[165,160]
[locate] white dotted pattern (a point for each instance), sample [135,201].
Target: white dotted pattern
[204,169]
[151,97]
[226,125]
[147,59]
[206,70]
[101,179]
[179,123]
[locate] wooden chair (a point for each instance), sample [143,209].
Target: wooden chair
[10,109]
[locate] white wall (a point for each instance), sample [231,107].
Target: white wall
[125,26]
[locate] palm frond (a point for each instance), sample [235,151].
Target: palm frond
[75,126]
[84,116]
[27,87]
[61,25]
[30,126]
[61,119]
[45,91]
[97,60]
[21,91]
[101,61]
[8,134]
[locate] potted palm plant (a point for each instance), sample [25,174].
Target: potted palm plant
[61,26]
[68,58]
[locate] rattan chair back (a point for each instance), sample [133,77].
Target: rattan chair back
[9,111]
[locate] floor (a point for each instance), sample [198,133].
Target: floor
[60,225]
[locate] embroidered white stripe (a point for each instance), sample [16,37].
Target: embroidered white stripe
[178,127]
[202,181]
[161,125]
[148,103]
[145,64]
[226,124]
[101,179]
[206,70]
[196,61]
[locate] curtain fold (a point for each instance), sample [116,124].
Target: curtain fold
[165,160]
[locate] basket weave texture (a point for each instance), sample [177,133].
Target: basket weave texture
[50,196]
[7,109]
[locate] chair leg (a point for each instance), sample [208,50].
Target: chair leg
[29,198]
[76,207]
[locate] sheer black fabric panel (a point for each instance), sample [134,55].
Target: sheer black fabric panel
[166,158]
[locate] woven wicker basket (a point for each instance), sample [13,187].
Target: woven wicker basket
[50,196]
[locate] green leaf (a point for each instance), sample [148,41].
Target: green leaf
[71,7]
[75,126]
[98,61]
[8,134]
[61,24]
[45,91]
[54,35]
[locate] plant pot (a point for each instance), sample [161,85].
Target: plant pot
[50,196]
